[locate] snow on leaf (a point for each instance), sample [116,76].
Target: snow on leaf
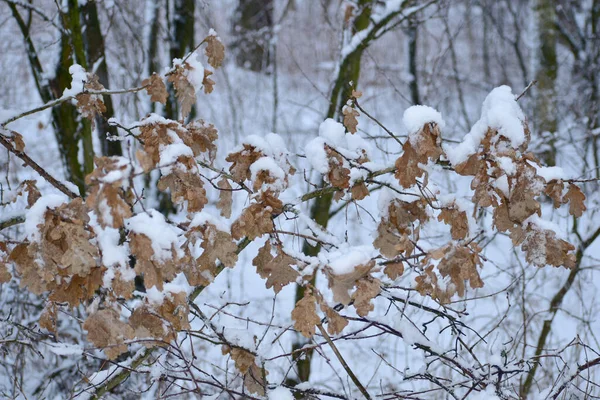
[107,197]
[341,284]
[91,104]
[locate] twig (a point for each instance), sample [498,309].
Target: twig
[53,181]
[343,362]
[63,99]
[526,89]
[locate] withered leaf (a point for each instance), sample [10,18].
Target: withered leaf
[107,332]
[49,319]
[254,222]
[576,200]
[522,203]
[341,284]
[156,88]
[225,197]
[367,289]
[18,141]
[184,90]
[243,358]
[407,166]
[542,248]
[185,187]
[457,219]
[155,272]
[359,191]
[394,270]
[554,190]
[335,322]
[276,269]
[350,121]
[91,104]
[207,83]
[215,51]
[242,160]
[305,315]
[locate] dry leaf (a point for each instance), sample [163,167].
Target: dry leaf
[305,315]
[457,219]
[156,88]
[407,166]
[185,187]
[184,90]
[554,190]
[394,270]
[366,290]
[542,248]
[18,141]
[276,269]
[341,284]
[350,121]
[576,200]
[215,51]
[49,318]
[207,83]
[91,104]
[107,332]
[335,322]
[243,358]
[242,160]
[359,191]
[225,197]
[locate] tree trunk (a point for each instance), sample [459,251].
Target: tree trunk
[253,29]
[96,57]
[349,72]
[182,42]
[546,71]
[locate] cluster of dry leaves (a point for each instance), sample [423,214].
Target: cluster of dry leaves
[65,259]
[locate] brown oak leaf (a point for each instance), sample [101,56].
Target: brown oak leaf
[156,88]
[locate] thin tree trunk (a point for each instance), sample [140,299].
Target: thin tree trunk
[97,60]
[253,29]
[349,72]
[546,72]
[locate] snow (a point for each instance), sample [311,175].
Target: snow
[108,240]
[78,78]
[35,215]
[499,111]
[416,116]
[280,393]
[204,217]
[346,259]
[65,349]
[162,235]
[507,165]
[550,173]
[316,155]
[268,164]
[195,74]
